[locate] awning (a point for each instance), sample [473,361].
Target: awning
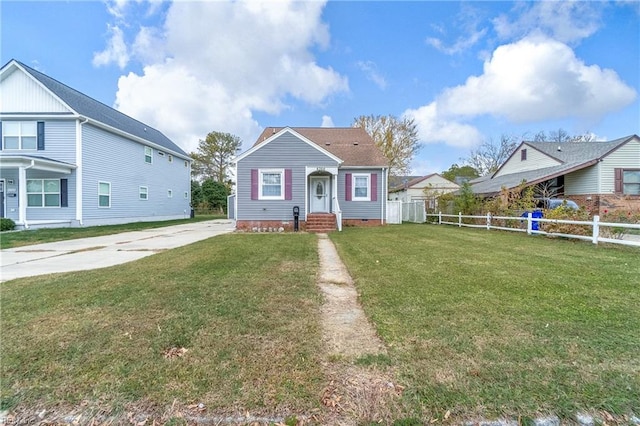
[12,161]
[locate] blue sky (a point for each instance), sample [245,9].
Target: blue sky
[466,72]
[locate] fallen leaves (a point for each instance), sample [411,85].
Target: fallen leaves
[175,352]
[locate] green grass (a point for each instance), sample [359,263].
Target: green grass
[244,306]
[494,323]
[48,235]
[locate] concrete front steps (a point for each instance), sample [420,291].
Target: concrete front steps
[321,222]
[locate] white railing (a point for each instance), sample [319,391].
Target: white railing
[338,212]
[533,226]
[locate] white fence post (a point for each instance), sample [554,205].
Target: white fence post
[488,221]
[529,223]
[459,219]
[596,229]
[439,218]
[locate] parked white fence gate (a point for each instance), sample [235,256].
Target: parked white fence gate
[414,211]
[394,212]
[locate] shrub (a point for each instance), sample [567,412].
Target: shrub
[567,213]
[7,224]
[618,216]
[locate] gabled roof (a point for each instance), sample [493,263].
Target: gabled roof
[572,155]
[399,181]
[352,145]
[90,108]
[416,180]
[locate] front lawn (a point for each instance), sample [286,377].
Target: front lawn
[485,323]
[245,307]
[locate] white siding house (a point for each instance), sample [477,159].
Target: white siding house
[69,160]
[600,176]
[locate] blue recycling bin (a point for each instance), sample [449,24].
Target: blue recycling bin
[536,214]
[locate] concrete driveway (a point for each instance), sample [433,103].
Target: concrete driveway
[100,252]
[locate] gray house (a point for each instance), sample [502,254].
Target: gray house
[69,160]
[334,177]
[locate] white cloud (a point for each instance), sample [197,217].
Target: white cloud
[211,65]
[538,79]
[116,50]
[371,71]
[433,127]
[565,21]
[467,22]
[327,121]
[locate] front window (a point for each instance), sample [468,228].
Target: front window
[43,192]
[361,187]
[272,184]
[19,135]
[631,182]
[148,154]
[104,194]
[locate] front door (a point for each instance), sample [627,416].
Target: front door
[319,193]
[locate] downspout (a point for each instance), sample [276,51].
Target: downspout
[384,195]
[79,169]
[22,200]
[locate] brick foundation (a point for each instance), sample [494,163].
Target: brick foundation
[275,225]
[598,203]
[265,225]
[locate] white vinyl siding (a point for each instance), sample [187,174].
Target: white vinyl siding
[271,184]
[534,160]
[625,157]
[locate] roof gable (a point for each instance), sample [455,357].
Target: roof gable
[434,180]
[352,146]
[264,141]
[22,93]
[96,111]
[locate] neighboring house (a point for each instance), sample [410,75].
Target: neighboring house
[427,188]
[597,175]
[69,160]
[334,176]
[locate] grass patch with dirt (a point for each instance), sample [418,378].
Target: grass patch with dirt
[493,324]
[48,235]
[245,307]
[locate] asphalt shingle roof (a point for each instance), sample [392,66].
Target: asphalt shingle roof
[573,155]
[353,145]
[90,108]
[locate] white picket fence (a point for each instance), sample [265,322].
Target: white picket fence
[532,229]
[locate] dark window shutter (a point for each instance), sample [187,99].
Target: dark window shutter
[40,135]
[288,192]
[254,184]
[347,187]
[374,187]
[618,181]
[64,192]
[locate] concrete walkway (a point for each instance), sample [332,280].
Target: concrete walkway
[100,252]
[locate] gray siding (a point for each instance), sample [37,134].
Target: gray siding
[60,141]
[360,209]
[285,152]
[119,161]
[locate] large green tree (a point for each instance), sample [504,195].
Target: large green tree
[215,195]
[212,158]
[455,171]
[397,138]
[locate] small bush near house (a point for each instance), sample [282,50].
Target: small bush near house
[7,224]
[567,213]
[618,216]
